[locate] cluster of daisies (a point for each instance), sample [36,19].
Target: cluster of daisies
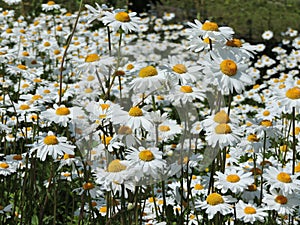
[143,121]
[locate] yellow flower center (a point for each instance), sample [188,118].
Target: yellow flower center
[198,187]
[103,209]
[4,165]
[25,54]
[221,117]
[164,128]
[252,187]
[148,71]
[252,138]
[50,140]
[266,113]
[129,67]
[62,111]
[68,156]
[88,186]
[266,123]
[186,89]
[293,93]
[92,58]
[233,178]
[256,86]
[249,210]
[56,52]
[9,31]
[104,106]
[88,90]
[115,166]
[281,199]
[36,97]
[37,80]
[51,3]
[284,177]
[47,44]
[234,43]
[228,67]
[179,68]
[214,199]
[283,148]
[223,128]
[122,17]
[90,78]
[17,157]
[135,111]
[46,91]
[146,155]
[125,130]
[24,107]
[210,26]
[106,139]
[22,67]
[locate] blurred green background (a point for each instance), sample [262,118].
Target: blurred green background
[249,18]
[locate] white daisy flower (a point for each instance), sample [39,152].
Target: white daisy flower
[148,162]
[288,97]
[235,180]
[7,168]
[51,145]
[283,204]
[149,79]
[184,94]
[282,180]
[247,212]
[61,115]
[120,19]
[267,35]
[216,203]
[51,5]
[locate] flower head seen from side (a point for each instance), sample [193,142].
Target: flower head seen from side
[210,30]
[53,146]
[249,213]
[216,203]
[185,94]
[120,19]
[7,168]
[50,6]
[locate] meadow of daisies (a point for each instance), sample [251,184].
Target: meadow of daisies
[108,117]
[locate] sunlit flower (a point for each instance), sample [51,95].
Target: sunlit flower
[120,19]
[51,145]
[58,114]
[250,212]
[148,162]
[216,203]
[235,180]
[49,6]
[282,180]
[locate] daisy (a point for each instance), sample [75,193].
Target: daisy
[149,79]
[267,35]
[58,114]
[134,118]
[282,180]
[120,19]
[235,180]
[51,145]
[95,13]
[51,5]
[284,204]
[210,30]
[7,167]
[228,73]
[168,130]
[184,94]
[148,162]
[288,97]
[249,212]
[216,203]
